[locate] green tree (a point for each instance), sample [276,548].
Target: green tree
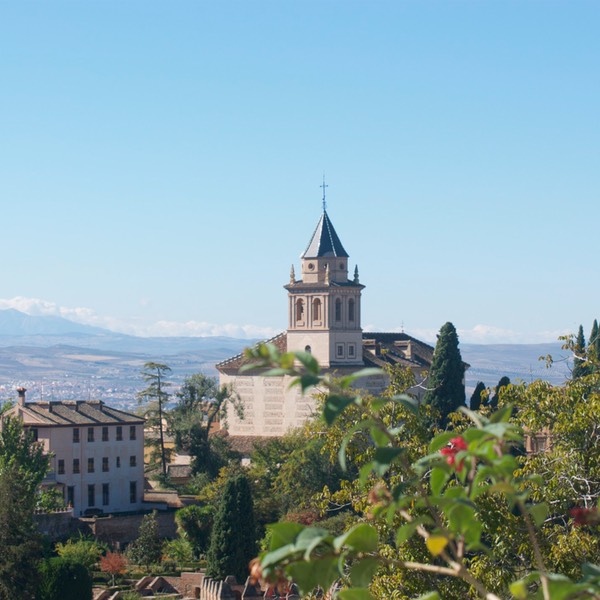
[579,355]
[476,398]
[18,448]
[594,342]
[20,547]
[84,551]
[504,381]
[196,407]
[200,402]
[194,524]
[154,375]
[63,579]
[233,538]
[147,548]
[445,384]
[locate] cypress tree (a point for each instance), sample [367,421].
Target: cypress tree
[504,381]
[579,367]
[446,388]
[475,403]
[233,538]
[594,342]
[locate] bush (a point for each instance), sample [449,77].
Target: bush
[83,551]
[62,579]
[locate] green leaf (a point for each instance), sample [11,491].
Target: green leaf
[438,478]
[361,538]
[429,596]
[309,362]
[355,594]
[460,517]
[538,512]
[334,406]
[411,404]
[363,571]
[379,437]
[519,589]
[314,573]
[348,380]
[383,459]
[405,532]
[283,533]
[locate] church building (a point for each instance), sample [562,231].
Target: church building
[324,318]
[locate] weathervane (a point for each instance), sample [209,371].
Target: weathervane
[324,186]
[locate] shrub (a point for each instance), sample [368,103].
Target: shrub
[62,579]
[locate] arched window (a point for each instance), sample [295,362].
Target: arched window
[308,349]
[299,309]
[316,309]
[351,309]
[338,309]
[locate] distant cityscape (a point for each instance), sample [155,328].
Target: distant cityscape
[61,360]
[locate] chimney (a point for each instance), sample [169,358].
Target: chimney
[21,400]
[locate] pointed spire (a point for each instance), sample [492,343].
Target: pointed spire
[324,186]
[324,241]
[327,279]
[292,274]
[356,274]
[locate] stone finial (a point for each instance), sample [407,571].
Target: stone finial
[292,275]
[356,274]
[327,275]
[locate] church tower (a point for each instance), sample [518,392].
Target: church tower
[324,305]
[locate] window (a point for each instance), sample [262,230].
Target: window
[308,349]
[339,350]
[105,494]
[351,350]
[316,309]
[91,495]
[132,461]
[71,495]
[299,309]
[119,434]
[34,433]
[76,466]
[338,309]
[61,466]
[90,434]
[76,435]
[133,492]
[105,434]
[351,309]
[105,464]
[118,462]
[90,465]
[132,432]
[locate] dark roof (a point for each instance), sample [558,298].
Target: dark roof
[235,362]
[379,349]
[324,241]
[76,412]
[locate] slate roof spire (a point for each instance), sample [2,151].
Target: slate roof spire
[324,240]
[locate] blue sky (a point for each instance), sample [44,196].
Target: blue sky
[160,162]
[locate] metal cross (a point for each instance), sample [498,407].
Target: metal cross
[324,186]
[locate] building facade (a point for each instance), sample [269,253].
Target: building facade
[324,318]
[96,452]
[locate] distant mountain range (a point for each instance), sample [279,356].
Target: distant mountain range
[57,358]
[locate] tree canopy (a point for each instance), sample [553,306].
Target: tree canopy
[445,384]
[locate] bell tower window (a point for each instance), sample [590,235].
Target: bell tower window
[351,309]
[338,309]
[316,309]
[299,309]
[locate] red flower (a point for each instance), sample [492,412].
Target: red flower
[455,445]
[585,516]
